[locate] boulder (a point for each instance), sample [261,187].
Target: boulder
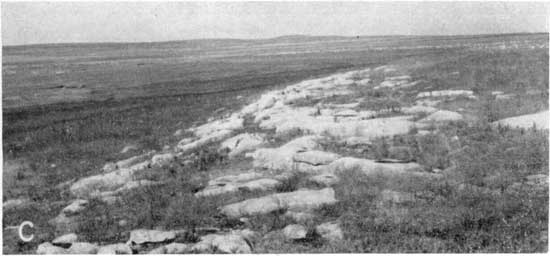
[48,248]
[315,157]
[162,159]
[129,148]
[539,120]
[301,200]
[142,236]
[119,248]
[15,203]
[242,143]
[233,242]
[330,231]
[295,232]
[65,240]
[75,207]
[266,101]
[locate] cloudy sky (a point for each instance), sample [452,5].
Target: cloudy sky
[59,22]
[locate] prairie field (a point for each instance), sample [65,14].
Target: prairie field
[399,144]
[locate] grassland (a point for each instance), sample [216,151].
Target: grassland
[50,141]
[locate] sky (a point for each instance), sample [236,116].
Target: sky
[64,22]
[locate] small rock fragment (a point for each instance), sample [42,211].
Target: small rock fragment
[295,232]
[141,236]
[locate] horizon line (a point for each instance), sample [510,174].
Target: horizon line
[268,38]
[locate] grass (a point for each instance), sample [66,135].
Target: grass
[63,141]
[454,220]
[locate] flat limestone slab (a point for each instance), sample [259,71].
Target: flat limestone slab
[540,120]
[301,200]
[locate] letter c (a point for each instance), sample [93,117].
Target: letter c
[21,235]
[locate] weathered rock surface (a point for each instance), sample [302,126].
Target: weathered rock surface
[185,146]
[75,207]
[446,93]
[48,248]
[142,236]
[282,158]
[75,248]
[416,109]
[287,119]
[129,148]
[162,159]
[301,200]
[93,185]
[242,177]
[295,232]
[242,142]
[315,157]
[233,122]
[539,120]
[15,203]
[237,241]
[126,163]
[371,167]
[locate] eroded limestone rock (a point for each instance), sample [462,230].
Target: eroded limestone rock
[295,232]
[301,200]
